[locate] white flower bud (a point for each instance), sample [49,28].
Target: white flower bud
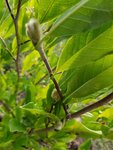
[55,95]
[33,30]
[59,126]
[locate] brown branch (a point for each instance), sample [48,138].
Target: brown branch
[15,21]
[92,106]
[9,8]
[46,75]
[18,9]
[82,111]
[17,38]
[44,58]
[18,49]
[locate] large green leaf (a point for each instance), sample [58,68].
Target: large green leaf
[85,15]
[88,79]
[101,81]
[77,42]
[6,27]
[87,67]
[77,127]
[49,9]
[3,13]
[101,46]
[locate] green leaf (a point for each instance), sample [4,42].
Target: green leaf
[14,45]
[5,144]
[88,79]
[77,42]
[2,82]
[49,9]
[77,127]
[108,113]
[90,68]
[85,145]
[82,31]
[59,146]
[30,60]
[30,92]
[15,125]
[6,27]
[21,140]
[85,15]
[96,49]
[94,85]
[63,137]
[34,109]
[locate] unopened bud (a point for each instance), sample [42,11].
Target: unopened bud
[59,126]
[33,30]
[55,95]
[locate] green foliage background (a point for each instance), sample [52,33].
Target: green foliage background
[78,41]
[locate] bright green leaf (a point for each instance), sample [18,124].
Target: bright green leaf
[108,113]
[15,125]
[30,60]
[85,15]
[77,127]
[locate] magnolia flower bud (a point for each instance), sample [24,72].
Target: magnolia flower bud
[59,126]
[33,30]
[55,95]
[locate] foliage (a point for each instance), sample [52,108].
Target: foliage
[78,41]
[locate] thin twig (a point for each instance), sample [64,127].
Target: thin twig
[18,9]
[40,80]
[10,11]
[5,45]
[92,106]
[52,128]
[22,43]
[44,58]
[48,120]
[18,49]
[17,38]
[15,21]
[7,108]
